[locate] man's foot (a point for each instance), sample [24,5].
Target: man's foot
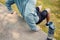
[36,29]
[51,39]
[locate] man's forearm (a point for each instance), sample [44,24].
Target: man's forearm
[47,18]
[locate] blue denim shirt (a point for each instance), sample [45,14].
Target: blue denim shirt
[27,9]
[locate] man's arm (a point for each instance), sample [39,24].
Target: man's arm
[8,4]
[48,14]
[48,18]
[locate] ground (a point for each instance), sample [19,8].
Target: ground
[54,5]
[14,27]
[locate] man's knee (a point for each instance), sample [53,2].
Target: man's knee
[28,17]
[48,10]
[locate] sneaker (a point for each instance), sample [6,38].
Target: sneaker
[51,39]
[36,29]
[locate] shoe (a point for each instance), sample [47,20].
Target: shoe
[35,29]
[51,39]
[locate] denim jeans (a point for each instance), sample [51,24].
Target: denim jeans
[27,9]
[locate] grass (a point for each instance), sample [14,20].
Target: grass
[55,15]
[54,5]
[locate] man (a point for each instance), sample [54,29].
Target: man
[28,11]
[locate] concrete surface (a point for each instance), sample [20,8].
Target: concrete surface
[13,27]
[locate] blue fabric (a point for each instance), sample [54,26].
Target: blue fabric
[27,9]
[8,4]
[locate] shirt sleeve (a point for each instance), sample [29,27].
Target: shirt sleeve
[8,5]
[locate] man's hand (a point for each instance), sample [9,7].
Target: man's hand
[14,12]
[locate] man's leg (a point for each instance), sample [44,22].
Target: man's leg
[27,9]
[30,15]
